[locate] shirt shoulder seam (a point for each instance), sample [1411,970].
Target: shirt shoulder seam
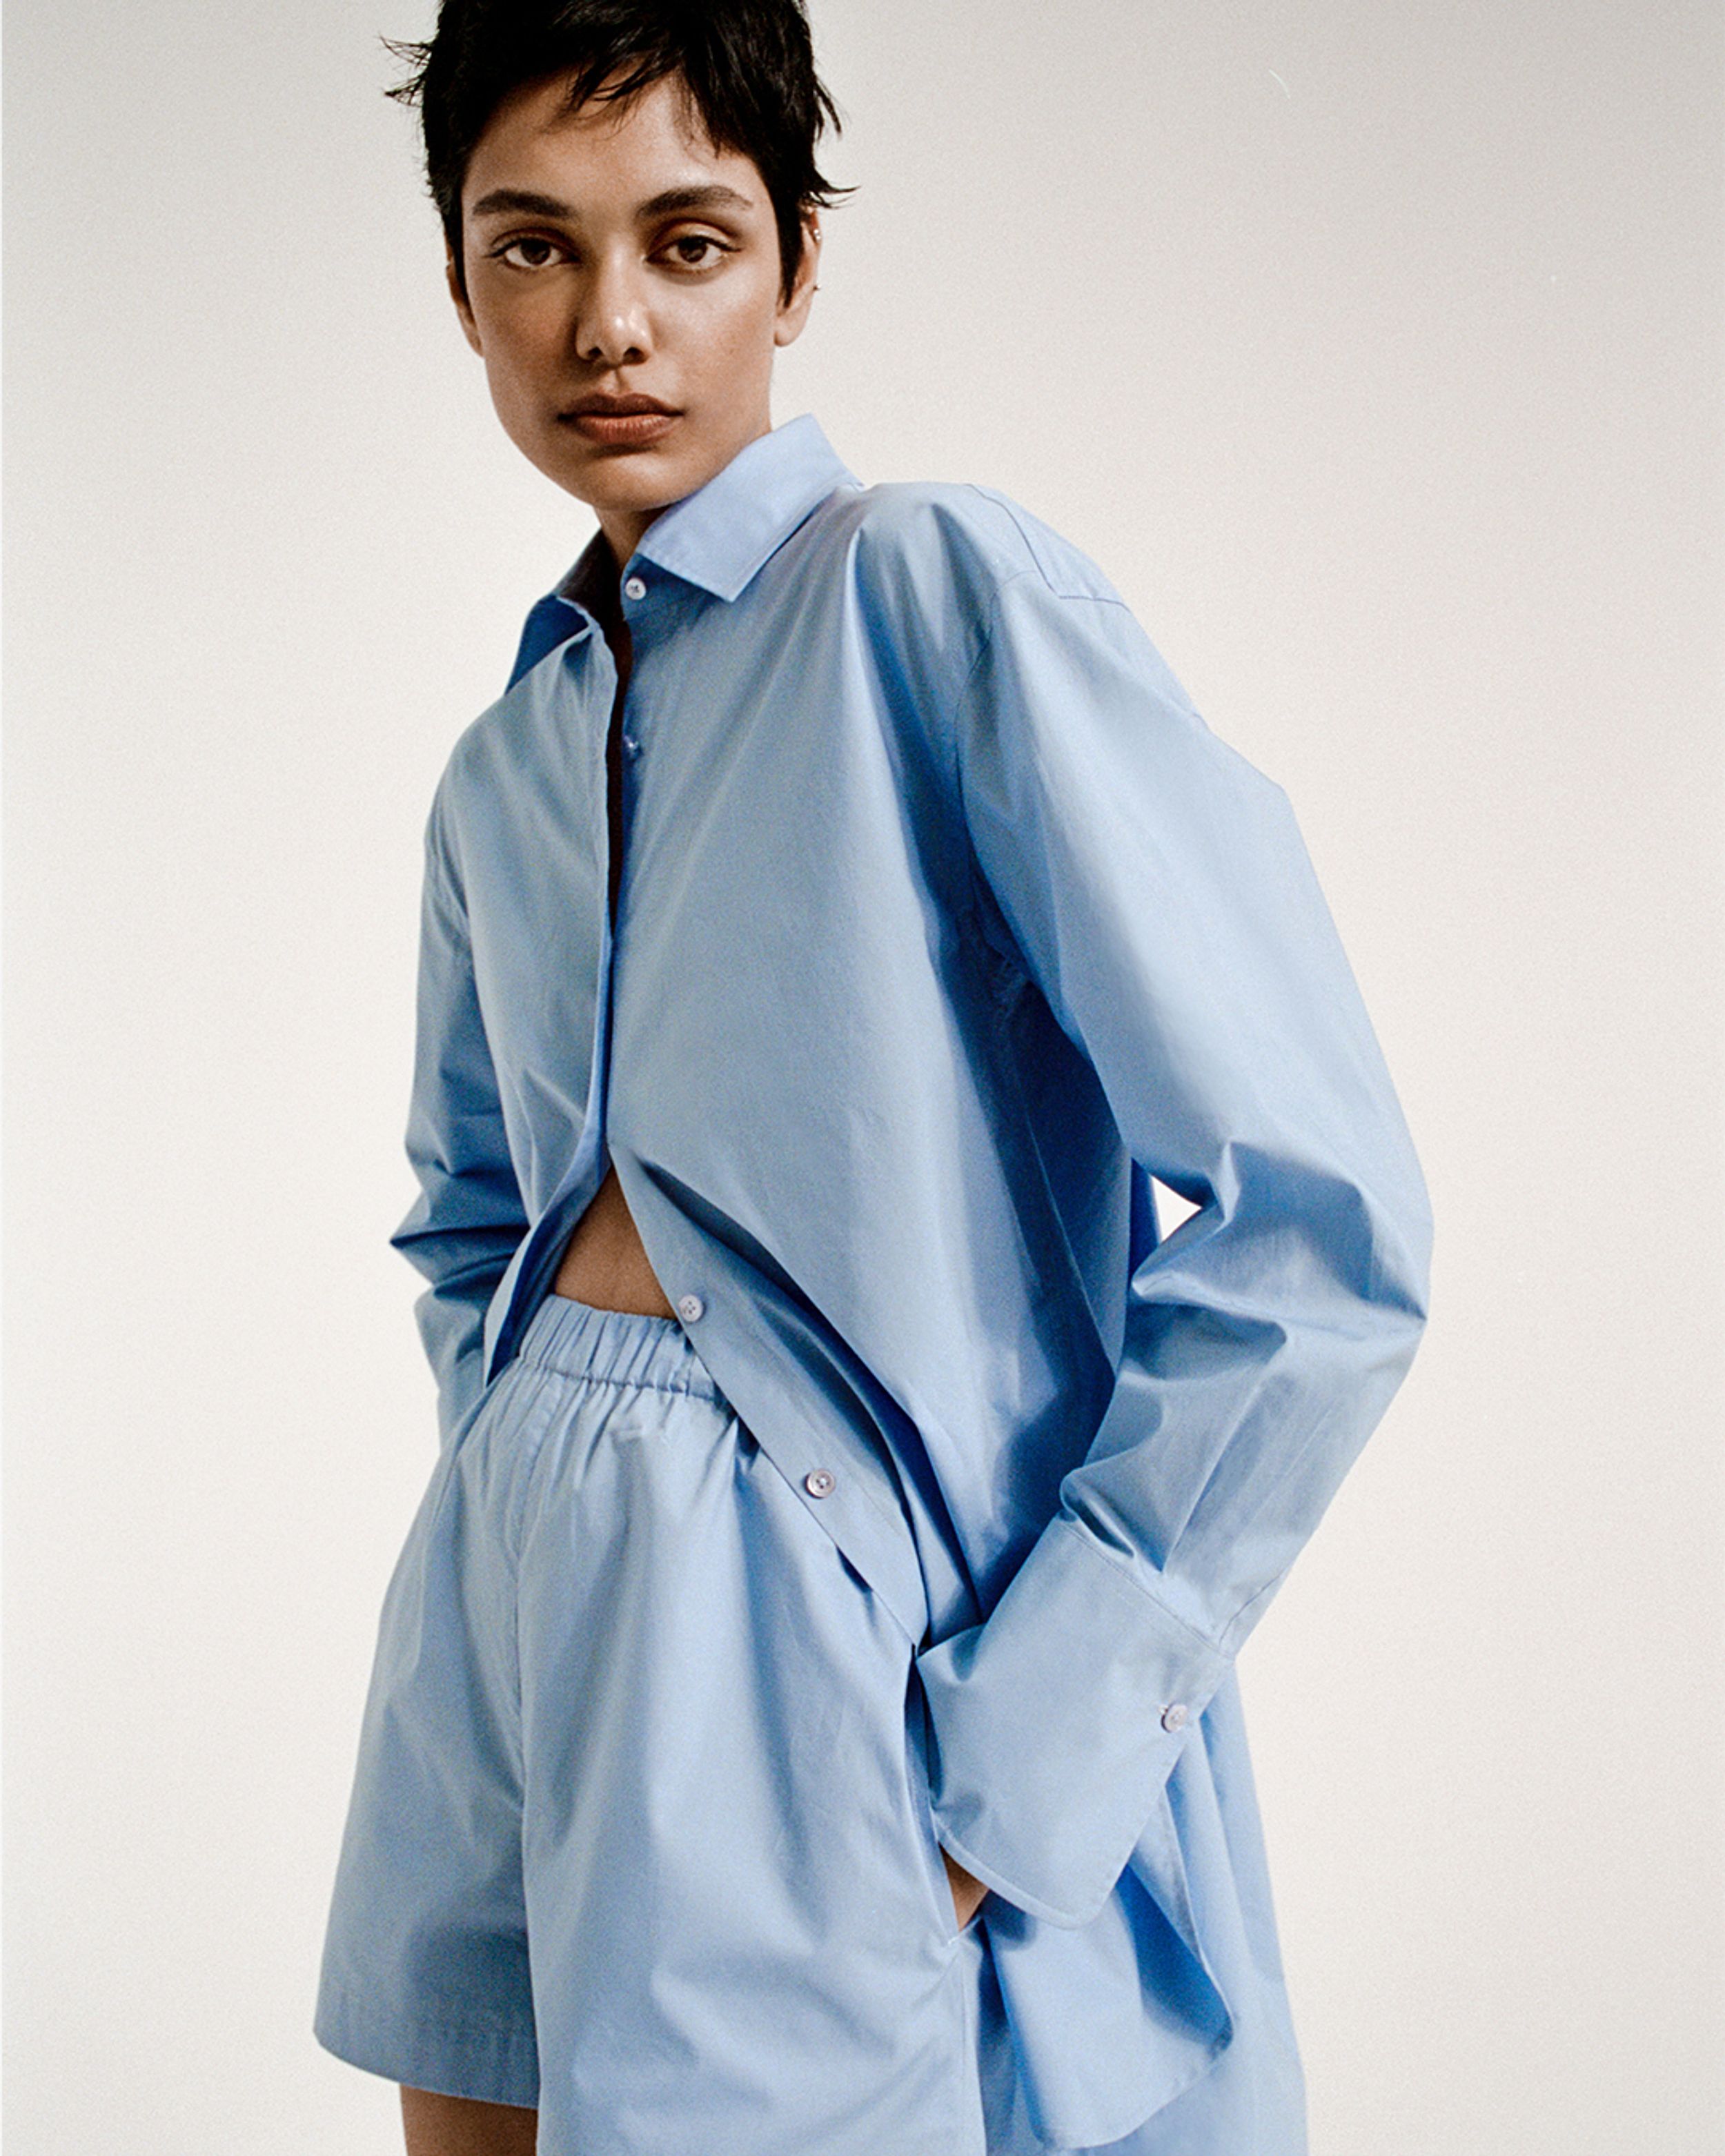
[1041,562]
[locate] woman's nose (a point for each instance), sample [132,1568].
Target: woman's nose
[613,324]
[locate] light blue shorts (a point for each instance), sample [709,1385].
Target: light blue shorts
[640,1831]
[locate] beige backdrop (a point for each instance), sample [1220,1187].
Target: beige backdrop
[1374,352]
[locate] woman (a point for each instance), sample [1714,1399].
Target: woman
[803,1720]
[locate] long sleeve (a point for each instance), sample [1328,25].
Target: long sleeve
[1161,900]
[462,1228]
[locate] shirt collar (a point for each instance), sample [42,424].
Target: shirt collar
[720,535]
[717,537]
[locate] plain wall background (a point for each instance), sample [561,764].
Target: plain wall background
[1374,352]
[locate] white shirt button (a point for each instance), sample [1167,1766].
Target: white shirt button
[631,747]
[690,1307]
[1173,1718]
[817,1482]
[635,587]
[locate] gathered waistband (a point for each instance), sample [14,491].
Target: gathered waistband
[615,1347]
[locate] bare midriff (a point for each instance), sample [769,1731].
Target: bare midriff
[604,1262]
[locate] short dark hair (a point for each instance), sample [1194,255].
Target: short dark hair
[748,66]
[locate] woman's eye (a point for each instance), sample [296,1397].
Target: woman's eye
[532,250]
[539,252]
[698,250]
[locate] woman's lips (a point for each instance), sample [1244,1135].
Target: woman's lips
[624,430]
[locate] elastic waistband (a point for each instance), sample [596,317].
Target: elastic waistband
[615,1347]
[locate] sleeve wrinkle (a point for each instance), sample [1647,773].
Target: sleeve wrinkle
[1158,893]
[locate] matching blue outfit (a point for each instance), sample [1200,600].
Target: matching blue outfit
[940,1512]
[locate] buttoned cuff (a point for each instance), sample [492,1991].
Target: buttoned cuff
[1056,1724]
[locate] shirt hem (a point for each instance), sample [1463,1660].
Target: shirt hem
[484,2060]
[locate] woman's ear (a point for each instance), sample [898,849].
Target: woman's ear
[793,312]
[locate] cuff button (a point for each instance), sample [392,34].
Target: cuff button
[1173,1718]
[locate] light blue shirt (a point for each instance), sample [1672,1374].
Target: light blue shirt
[945,923]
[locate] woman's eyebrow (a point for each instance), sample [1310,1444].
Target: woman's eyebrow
[713,196]
[522,202]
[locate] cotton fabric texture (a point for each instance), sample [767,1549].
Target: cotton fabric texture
[945,923]
[631,1704]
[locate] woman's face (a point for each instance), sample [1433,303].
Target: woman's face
[614,252]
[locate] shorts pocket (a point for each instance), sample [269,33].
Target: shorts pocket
[916,1754]
[860,1513]
[885,1667]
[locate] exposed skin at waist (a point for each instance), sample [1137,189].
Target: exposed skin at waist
[604,1262]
